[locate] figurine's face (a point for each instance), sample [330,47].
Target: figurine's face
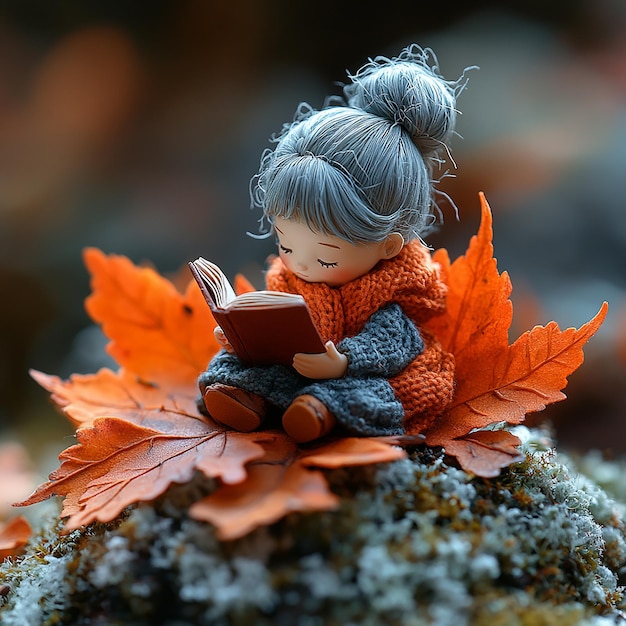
[320,258]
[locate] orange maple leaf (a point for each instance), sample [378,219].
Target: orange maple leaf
[496,382]
[155,332]
[134,441]
[13,536]
[85,397]
[117,463]
[475,324]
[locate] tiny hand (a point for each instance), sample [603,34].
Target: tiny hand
[329,364]
[221,339]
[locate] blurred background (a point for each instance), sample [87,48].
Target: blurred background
[136,127]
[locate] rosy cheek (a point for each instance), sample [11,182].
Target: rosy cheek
[338,276]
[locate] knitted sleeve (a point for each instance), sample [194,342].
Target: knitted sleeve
[388,342]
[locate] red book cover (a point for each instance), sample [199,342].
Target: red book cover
[263,327]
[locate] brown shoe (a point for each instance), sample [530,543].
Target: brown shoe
[307,418]
[238,409]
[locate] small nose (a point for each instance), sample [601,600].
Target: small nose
[301,266]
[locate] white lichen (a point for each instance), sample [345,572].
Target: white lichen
[115,563]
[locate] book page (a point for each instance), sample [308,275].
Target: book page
[215,281]
[264,300]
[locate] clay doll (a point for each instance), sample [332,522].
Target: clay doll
[347,192]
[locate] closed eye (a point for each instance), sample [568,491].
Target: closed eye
[326,264]
[285,250]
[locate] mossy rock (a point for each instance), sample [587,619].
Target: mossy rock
[414,542]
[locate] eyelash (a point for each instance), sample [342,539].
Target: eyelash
[322,263]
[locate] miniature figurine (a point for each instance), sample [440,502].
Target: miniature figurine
[347,192]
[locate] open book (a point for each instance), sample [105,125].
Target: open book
[263,327]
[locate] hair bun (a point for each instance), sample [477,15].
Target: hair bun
[408,90]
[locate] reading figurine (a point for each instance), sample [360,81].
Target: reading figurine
[348,191]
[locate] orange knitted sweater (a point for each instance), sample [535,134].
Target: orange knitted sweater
[411,280]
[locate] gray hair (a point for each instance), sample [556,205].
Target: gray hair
[362,167]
